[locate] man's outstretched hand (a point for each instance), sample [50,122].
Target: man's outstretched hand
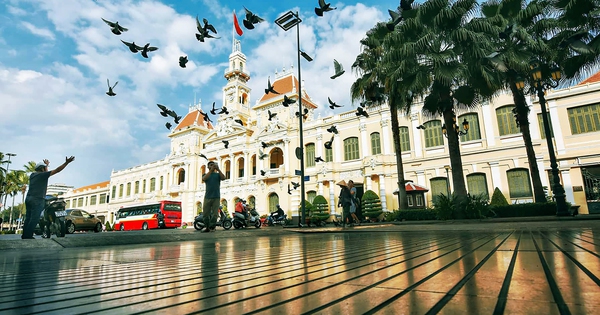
[69,159]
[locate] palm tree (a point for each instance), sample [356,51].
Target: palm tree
[436,56]
[521,28]
[370,88]
[29,167]
[3,171]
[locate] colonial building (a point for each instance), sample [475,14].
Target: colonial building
[255,147]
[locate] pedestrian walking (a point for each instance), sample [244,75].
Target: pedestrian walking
[354,203]
[344,201]
[212,197]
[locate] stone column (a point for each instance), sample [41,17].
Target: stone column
[232,168]
[567,185]
[369,182]
[387,142]
[286,155]
[416,135]
[337,149]
[488,123]
[496,178]
[364,140]
[382,195]
[332,204]
[246,165]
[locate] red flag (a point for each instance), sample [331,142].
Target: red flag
[238,29]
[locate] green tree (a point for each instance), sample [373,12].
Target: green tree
[498,198]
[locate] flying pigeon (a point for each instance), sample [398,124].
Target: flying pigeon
[226,143]
[339,70]
[270,88]
[177,119]
[329,143]
[406,4]
[264,145]
[319,159]
[164,111]
[305,115]
[132,47]
[333,104]
[421,127]
[213,110]
[182,61]
[168,125]
[361,112]
[323,7]
[263,173]
[110,89]
[332,129]
[206,118]
[289,189]
[271,115]
[224,111]
[396,18]
[203,156]
[296,185]
[203,30]
[208,26]
[239,121]
[261,155]
[147,48]
[115,27]
[251,19]
[287,101]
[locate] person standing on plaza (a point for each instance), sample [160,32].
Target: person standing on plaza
[35,199]
[344,201]
[354,201]
[212,197]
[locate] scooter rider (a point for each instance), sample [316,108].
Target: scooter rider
[277,215]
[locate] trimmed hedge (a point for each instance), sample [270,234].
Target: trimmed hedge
[411,215]
[371,205]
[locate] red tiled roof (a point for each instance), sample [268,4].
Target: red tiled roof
[92,186]
[285,85]
[195,116]
[592,79]
[410,186]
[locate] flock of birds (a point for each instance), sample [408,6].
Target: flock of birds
[205,31]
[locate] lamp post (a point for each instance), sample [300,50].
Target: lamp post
[459,132]
[6,193]
[540,85]
[286,22]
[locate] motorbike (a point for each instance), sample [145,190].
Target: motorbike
[240,221]
[52,219]
[280,220]
[223,221]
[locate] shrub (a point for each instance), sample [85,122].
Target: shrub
[411,215]
[109,227]
[525,210]
[472,207]
[444,207]
[371,205]
[498,198]
[320,209]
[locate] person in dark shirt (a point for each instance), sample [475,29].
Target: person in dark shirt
[344,201]
[34,201]
[277,215]
[212,197]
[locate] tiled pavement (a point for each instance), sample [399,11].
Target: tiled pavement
[527,268]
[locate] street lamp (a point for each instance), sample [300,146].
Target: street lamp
[6,193]
[286,22]
[541,84]
[459,132]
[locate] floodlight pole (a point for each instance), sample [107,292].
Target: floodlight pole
[300,117]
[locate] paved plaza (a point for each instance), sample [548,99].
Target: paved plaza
[540,268]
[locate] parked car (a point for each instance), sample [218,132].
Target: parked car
[80,220]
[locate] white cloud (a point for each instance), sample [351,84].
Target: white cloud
[16,10]
[42,32]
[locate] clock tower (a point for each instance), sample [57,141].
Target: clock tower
[236,94]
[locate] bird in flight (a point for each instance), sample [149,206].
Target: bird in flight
[147,48]
[203,30]
[396,18]
[329,143]
[361,112]
[264,144]
[323,7]
[339,69]
[164,111]
[304,115]
[132,46]
[203,156]
[271,115]
[333,104]
[287,101]
[168,125]
[226,143]
[319,159]
[251,19]
[263,173]
[239,121]
[332,129]
[182,61]
[270,88]
[115,28]
[289,189]
[296,185]
[261,155]
[110,89]
[213,110]
[224,111]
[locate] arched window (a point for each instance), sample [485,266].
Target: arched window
[180,176]
[309,159]
[227,169]
[310,196]
[252,202]
[433,134]
[507,124]
[477,185]
[328,155]
[474,132]
[404,139]
[519,184]
[114,192]
[128,189]
[144,186]
[273,202]
[275,158]
[241,67]
[351,149]
[152,184]
[253,163]
[240,167]
[375,143]
[161,183]
[121,190]
[439,186]
[136,189]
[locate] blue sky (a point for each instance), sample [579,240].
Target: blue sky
[55,57]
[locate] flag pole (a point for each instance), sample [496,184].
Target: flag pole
[233,33]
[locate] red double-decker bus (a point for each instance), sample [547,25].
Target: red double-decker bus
[161,214]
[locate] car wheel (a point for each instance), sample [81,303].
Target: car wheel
[70,227]
[198,225]
[122,227]
[227,224]
[145,226]
[98,227]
